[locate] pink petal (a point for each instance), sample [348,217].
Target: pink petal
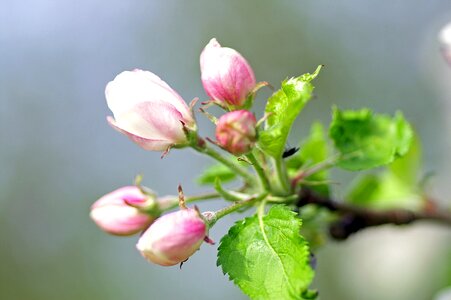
[147,144]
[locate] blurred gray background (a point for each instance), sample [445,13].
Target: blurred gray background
[58,154]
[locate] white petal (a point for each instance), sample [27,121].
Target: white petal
[130,88]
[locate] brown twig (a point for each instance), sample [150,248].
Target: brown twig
[353,219]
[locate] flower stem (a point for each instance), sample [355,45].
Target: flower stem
[281,176]
[196,198]
[261,173]
[326,164]
[170,203]
[234,207]
[285,200]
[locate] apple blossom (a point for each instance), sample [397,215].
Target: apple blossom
[121,212]
[226,75]
[148,110]
[173,238]
[236,131]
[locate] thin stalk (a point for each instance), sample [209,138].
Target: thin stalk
[227,195]
[261,173]
[234,207]
[285,200]
[281,175]
[168,204]
[312,170]
[196,198]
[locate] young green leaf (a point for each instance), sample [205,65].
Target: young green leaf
[266,256]
[312,151]
[218,171]
[408,167]
[368,140]
[383,191]
[283,107]
[395,187]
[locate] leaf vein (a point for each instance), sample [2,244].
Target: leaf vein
[260,214]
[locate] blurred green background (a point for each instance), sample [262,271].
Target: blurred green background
[58,154]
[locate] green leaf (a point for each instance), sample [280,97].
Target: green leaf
[218,171]
[310,295]
[368,140]
[383,191]
[266,256]
[395,187]
[283,107]
[312,151]
[315,221]
[408,167]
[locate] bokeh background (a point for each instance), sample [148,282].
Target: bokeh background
[58,155]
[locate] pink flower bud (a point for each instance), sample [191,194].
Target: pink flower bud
[235,131]
[119,212]
[147,110]
[226,76]
[173,238]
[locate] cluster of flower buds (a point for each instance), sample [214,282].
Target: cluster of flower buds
[154,116]
[167,240]
[148,111]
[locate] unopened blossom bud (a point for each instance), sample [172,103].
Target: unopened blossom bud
[148,110]
[236,132]
[173,238]
[121,211]
[226,76]
[445,42]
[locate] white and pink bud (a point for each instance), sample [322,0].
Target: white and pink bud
[148,111]
[173,238]
[122,212]
[226,75]
[236,131]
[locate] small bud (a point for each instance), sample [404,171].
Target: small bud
[119,212]
[226,76]
[173,238]
[236,131]
[148,111]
